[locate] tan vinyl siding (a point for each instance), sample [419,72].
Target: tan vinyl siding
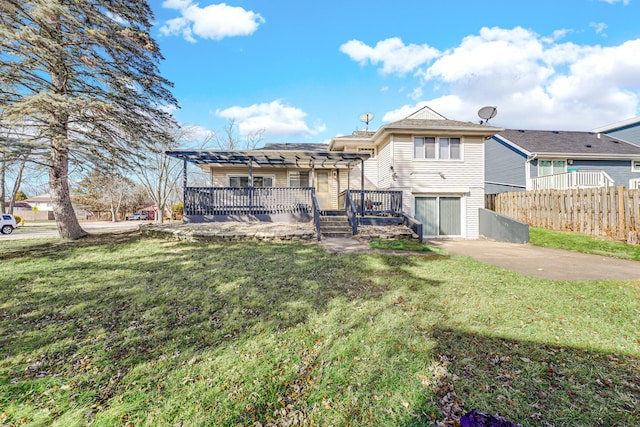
[220,178]
[220,175]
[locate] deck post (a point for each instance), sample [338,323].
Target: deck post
[250,189]
[362,187]
[184,187]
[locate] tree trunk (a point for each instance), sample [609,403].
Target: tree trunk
[3,173]
[66,220]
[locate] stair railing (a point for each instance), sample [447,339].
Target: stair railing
[316,214]
[350,209]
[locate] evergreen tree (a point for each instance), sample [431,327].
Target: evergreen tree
[81,80]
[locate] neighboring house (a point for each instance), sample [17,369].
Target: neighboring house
[21,209]
[626,130]
[518,160]
[42,202]
[425,167]
[44,210]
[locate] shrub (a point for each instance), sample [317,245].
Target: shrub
[19,220]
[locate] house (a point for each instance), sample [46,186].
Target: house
[42,202]
[42,207]
[626,130]
[424,167]
[518,160]
[20,208]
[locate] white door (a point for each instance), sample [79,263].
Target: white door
[322,190]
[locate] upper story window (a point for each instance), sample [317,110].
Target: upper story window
[436,148]
[635,166]
[551,167]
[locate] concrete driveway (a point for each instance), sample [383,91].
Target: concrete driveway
[544,263]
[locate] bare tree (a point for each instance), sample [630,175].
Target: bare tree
[11,157]
[229,138]
[81,78]
[161,175]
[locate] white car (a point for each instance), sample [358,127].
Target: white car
[137,217]
[7,223]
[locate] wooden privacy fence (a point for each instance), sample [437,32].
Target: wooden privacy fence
[612,212]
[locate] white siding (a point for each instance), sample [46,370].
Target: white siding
[371,171]
[384,165]
[354,180]
[463,177]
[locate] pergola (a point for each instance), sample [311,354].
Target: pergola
[273,158]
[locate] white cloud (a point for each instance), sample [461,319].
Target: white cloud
[416,94]
[624,2]
[176,4]
[275,118]
[599,27]
[536,82]
[215,21]
[395,56]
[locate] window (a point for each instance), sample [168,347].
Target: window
[441,148]
[551,167]
[299,179]
[635,166]
[243,181]
[370,150]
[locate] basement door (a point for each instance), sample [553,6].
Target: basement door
[440,215]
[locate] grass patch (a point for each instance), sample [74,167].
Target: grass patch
[581,243]
[118,330]
[399,245]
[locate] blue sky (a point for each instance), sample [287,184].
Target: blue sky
[306,71]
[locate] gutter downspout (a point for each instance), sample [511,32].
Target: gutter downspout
[527,170]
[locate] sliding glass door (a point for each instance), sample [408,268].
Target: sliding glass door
[440,215]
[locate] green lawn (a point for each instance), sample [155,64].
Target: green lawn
[399,245]
[126,330]
[581,243]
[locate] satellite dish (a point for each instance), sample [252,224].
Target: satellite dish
[487,113]
[366,117]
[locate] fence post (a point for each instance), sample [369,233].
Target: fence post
[621,213]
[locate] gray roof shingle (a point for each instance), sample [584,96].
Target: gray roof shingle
[568,142]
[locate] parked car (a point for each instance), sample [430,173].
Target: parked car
[7,223]
[137,217]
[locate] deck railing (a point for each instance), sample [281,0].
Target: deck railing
[375,202]
[634,184]
[571,180]
[247,201]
